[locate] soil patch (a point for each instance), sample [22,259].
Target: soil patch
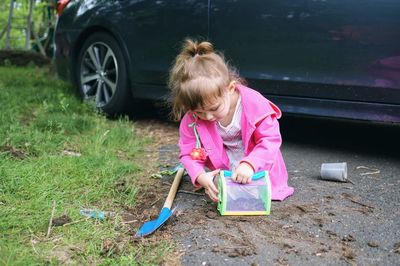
[153,185]
[22,58]
[62,220]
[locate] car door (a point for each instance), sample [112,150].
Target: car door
[338,50]
[155,30]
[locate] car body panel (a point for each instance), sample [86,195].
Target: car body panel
[151,20]
[316,57]
[347,47]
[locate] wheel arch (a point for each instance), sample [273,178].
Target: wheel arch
[84,35]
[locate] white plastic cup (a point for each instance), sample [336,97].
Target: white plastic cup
[334,171]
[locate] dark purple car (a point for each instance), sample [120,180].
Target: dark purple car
[311,57]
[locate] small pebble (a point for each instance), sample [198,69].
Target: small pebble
[397,248]
[348,238]
[211,214]
[373,244]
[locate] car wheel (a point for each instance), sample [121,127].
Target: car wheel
[102,75]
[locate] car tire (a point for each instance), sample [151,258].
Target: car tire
[101,74]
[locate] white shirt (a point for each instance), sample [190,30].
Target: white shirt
[232,138]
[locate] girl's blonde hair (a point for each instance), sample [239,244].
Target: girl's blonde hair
[198,76]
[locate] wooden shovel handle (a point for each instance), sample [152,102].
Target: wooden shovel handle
[174,188]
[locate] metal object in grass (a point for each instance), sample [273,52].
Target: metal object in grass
[150,226]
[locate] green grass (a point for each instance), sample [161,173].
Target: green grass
[40,120]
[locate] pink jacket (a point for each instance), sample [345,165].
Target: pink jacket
[261,138]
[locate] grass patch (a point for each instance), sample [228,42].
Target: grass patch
[55,148]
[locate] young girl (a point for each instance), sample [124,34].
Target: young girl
[225,125]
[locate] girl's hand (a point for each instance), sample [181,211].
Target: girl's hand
[206,180]
[243,173]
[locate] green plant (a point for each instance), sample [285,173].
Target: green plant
[55,148]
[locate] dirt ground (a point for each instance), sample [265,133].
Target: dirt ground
[324,222]
[22,58]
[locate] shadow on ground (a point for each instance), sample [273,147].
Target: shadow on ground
[365,137]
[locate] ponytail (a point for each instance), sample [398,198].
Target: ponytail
[192,48]
[198,76]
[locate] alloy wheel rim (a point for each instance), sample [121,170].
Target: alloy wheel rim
[99,74]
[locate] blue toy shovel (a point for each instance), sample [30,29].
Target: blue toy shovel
[150,226]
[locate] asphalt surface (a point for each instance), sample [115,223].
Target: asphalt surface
[324,222]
